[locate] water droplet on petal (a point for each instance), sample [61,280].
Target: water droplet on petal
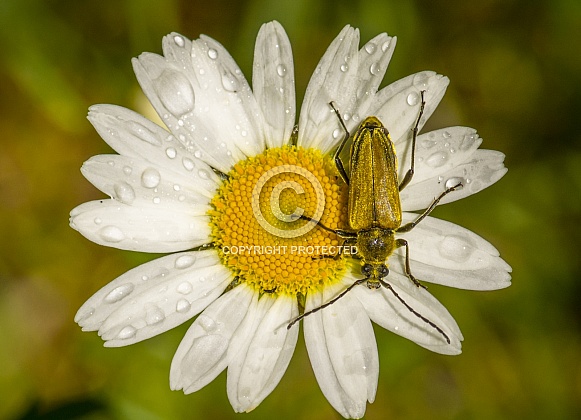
[175,92]
[111,234]
[437,159]
[154,316]
[124,192]
[452,182]
[150,178]
[207,323]
[203,174]
[421,81]
[185,288]
[98,221]
[156,200]
[171,152]
[119,293]
[127,332]
[385,46]
[344,67]
[456,248]
[427,144]
[370,48]
[183,306]
[413,99]
[188,163]
[336,133]
[281,70]
[179,41]
[375,69]
[127,170]
[198,154]
[212,53]
[229,81]
[185,261]
[143,133]
[446,135]
[468,141]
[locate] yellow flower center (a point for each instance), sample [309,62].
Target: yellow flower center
[257,225]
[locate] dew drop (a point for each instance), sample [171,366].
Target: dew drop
[344,67]
[456,248]
[181,197]
[207,323]
[175,92]
[183,306]
[154,316]
[336,133]
[185,288]
[375,69]
[413,99]
[281,70]
[119,293]
[179,41]
[446,135]
[188,163]
[185,261]
[212,53]
[421,81]
[156,200]
[127,170]
[229,81]
[150,178]
[452,182]
[370,48]
[437,159]
[97,220]
[385,46]
[111,234]
[171,152]
[124,192]
[203,174]
[468,141]
[176,187]
[428,144]
[127,332]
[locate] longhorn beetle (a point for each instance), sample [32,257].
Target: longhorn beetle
[374,212]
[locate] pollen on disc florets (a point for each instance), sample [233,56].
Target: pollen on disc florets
[256,225]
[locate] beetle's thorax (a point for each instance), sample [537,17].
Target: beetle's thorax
[375,245]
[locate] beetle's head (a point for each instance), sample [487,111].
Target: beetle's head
[373,273]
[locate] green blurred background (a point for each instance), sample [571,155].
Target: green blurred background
[515,70]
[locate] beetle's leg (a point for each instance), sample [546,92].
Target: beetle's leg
[402,242]
[410,173]
[413,311]
[317,309]
[345,234]
[409,226]
[336,157]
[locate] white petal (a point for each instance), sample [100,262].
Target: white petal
[203,99]
[134,136]
[145,229]
[397,106]
[343,351]
[202,354]
[373,60]
[386,310]
[239,399]
[273,82]
[135,182]
[335,79]
[154,297]
[264,362]
[482,169]
[445,253]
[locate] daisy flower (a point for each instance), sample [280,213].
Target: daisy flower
[220,189]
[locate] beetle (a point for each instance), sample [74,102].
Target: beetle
[374,207]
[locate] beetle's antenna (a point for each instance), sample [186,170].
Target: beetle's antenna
[335,299]
[413,311]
